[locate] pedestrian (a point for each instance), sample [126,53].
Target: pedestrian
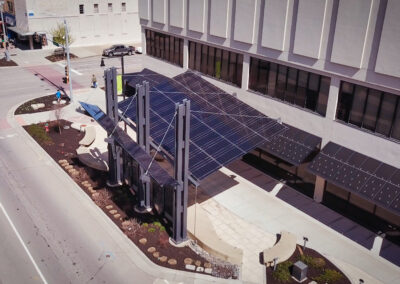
[94,81]
[58,95]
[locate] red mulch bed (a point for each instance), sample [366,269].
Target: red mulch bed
[63,147]
[5,63]
[60,57]
[47,100]
[312,271]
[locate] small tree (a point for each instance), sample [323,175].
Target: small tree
[58,34]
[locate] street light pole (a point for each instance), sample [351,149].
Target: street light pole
[2,21]
[68,61]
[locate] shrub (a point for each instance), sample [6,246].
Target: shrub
[39,133]
[145,225]
[151,230]
[157,224]
[329,276]
[282,272]
[307,259]
[162,229]
[318,263]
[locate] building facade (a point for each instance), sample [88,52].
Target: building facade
[330,68]
[90,22]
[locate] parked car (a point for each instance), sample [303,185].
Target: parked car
[119,49]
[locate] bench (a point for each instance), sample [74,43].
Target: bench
[90,136]
[207,238]
[282,250]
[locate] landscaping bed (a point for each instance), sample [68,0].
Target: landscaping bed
[320,269]
[46,100]
[5,63]
[148,231]
[60,57]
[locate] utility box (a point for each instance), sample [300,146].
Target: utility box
[299,271]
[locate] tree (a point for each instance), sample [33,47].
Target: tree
[58,34]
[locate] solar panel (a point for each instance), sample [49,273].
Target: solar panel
[131,147]
[360,174]
[222,127]
[293,145]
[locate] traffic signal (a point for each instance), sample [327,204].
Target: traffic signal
[66,79]
[66,71]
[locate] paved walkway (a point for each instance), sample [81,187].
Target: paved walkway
[255,206]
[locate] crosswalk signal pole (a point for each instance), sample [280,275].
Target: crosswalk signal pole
[68,61]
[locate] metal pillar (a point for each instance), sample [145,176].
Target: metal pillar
[143,139]
[114,151]
[182,131]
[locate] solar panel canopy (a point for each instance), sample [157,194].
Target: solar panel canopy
[222,128]
[293,145]
[359,174]
[130,146]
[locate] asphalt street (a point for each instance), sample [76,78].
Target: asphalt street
[50,231]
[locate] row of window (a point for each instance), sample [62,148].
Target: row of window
[302,88]
[219,63]
[364,107]
[370,109]
[96,8]
[165,47]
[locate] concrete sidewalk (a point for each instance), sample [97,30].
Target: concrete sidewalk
[270,215]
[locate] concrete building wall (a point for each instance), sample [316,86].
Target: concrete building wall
[356,41]
[94,26]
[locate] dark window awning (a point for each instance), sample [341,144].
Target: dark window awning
[222,127]
[130,146]
[369,178]
[293,145]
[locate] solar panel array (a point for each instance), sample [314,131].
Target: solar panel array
[293,145]
[131,147]
[222,127]
[360,174]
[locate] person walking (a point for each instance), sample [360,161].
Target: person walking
[94,81]
[58,96]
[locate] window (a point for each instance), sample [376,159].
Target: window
[95,8]
[123,7]
[294,86]
[110,7]
[369,109]
[219,63]
[10,6]
[81,9]
[165,47]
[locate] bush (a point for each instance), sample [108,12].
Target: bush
[316,262]
[145,225]
[39,133]
[157,224]
[329,276]
[162,229]
[282,272]
[151,230]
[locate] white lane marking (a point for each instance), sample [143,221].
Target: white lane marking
[23,244]
[11,135]
[72,70]
[276,189]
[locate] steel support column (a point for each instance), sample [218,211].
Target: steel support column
[114,151]
[143,139]
[182,130]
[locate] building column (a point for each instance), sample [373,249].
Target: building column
[143,40]
[245,72]
[333,98]
[30,42]
[319,189]
[185,53]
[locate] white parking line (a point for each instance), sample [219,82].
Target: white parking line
[72,70]
[23,244]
